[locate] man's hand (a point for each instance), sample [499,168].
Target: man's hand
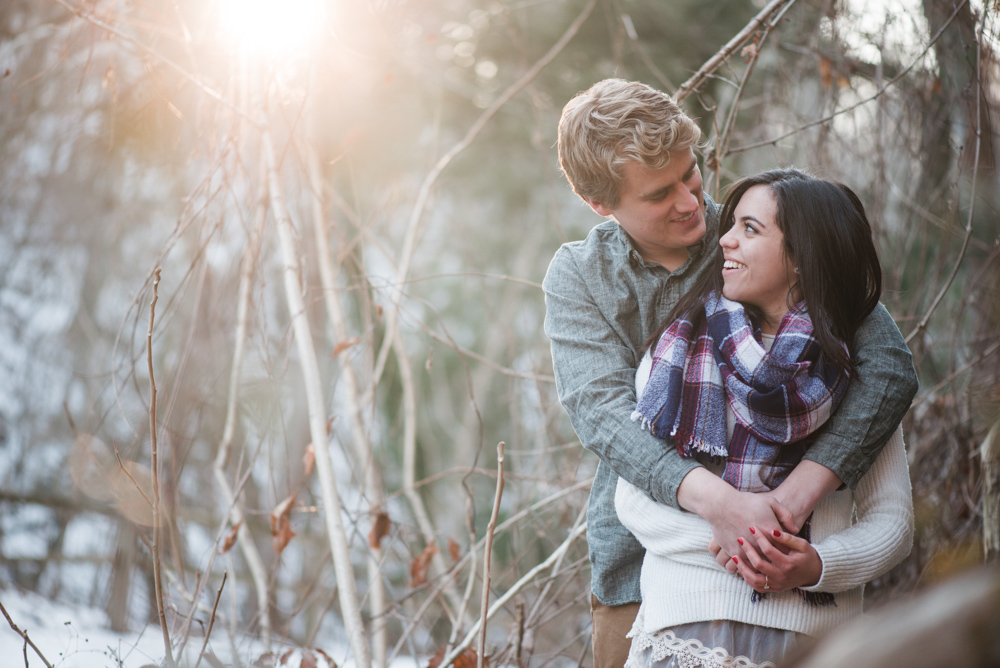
[731,513]
[807,484]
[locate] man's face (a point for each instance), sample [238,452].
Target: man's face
[662,210]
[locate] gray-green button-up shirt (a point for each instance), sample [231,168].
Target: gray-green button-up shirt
[602,302]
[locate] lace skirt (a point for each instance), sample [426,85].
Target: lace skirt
[718,644]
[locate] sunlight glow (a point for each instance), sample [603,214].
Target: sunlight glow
[271,28]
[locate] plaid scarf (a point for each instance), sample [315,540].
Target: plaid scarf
[780,398]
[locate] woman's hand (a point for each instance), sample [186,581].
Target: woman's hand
[777,561]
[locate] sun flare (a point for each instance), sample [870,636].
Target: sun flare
[271,27]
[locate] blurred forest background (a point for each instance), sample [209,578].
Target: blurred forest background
[344,212]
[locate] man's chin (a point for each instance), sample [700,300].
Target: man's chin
[696,232]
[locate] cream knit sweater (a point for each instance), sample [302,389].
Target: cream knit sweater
[858,536]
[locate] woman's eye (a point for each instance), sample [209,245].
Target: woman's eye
[749,228]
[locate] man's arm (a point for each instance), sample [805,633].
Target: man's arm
[595,379]
[877,398]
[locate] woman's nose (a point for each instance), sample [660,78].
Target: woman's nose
[728,240]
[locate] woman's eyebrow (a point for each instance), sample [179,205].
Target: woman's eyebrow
[748,217]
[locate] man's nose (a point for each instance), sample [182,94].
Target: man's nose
[687,200]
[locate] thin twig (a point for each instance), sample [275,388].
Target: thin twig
[145,48]
[413,225]
[515,588]
[339,545]
[716,61]
[972,203]
[27,640]
[211,620]
[157,577]
[487,554]
[722,143]
[876,95]
[134,481]
[958,372]
[471,555]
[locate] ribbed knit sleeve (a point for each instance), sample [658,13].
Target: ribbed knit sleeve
[883,533]
[661,529]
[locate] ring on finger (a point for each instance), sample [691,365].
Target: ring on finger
[765,583]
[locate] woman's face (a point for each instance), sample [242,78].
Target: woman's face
[756,270]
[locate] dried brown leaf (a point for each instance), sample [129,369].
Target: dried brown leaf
[281,510]
[380,529]
[436,659]
[329,662]
[344,345]
[825,71]
[467,659]
[308,659]
[749,51]
[420,565]
[454,550]
[231,538]
[284,657]
[281,525]
[309,459]
[430,360]
[283,535]
[329,424]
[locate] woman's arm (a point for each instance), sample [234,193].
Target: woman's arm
[878,541]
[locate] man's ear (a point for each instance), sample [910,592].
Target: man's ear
[599,208]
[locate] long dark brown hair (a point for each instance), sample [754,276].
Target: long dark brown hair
[827,237]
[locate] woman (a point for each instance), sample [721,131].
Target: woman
[751,365]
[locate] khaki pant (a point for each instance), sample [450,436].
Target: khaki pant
[611,623]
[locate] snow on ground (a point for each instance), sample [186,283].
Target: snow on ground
[78,637]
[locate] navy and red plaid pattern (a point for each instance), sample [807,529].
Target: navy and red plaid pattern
[779,397]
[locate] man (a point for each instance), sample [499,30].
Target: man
[628,152]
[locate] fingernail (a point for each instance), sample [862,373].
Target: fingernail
[752,530]
[777,534]
[739,540]
[736,560]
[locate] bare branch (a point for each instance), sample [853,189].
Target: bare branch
[157,578]
[89,16]
[416,216]
[339,546]
[520,584]
[716,61]
[972,201]
[852,107]
[27,640]
[488,553]
[211,620]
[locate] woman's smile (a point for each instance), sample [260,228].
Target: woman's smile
[756,270]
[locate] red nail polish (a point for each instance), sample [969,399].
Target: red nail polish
[752,530]
[739,540]
[777,534]
[735,560]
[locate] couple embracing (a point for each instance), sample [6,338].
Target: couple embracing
[742,386]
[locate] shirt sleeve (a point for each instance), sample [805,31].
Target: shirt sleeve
[877,399]
[595,378]
[883,533]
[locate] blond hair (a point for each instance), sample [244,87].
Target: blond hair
[615,121]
